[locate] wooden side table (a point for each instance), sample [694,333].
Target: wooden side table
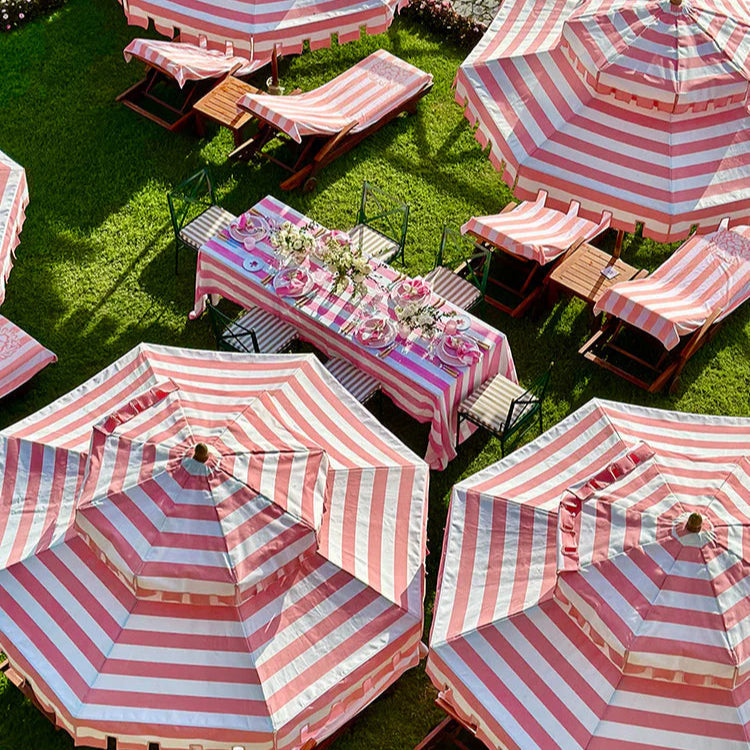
[220,106]
[580,274]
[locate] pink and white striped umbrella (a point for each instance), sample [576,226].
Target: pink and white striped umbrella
[14,197]
[253,28]
[209,550]
[634,106]
[580,605]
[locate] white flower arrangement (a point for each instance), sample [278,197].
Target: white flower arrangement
[291,241]
[417,315]
[347,262]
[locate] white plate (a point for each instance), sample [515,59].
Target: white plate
[398,297]
[452,359]
[252,264]
[281,276]
[255,230]
[389,334]
[463,322]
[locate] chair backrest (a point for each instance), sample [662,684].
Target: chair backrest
[525,407]
[465,257]
[230,335]
[191,198]
[383,213]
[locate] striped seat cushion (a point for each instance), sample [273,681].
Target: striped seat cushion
[453,287]
[490,404]
[361,385]
[202,228]
[273,334]
[373,243]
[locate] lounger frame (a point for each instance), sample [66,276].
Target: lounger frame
[316,151]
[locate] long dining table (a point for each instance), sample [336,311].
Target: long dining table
[409,373]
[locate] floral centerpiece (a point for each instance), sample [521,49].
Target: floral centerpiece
[418,315]
[293,242]
[347,262]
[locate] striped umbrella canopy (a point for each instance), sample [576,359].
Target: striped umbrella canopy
[635,106]
[594,587]
[254,28]
[212,551]
[14,197]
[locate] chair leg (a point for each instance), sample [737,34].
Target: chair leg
[502,447]
[458,429]
[176,256]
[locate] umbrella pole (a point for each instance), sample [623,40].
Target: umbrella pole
[618,243]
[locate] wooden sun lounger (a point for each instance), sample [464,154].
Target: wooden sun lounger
[451,732]
[315,150]
[159,97]
[639,358]
[519,282]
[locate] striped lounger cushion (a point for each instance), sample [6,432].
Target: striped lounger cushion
[533,231]
[364,94]
[21,356]
[205,226]
[453,287]
[188,62]
[373,243]
[706,273]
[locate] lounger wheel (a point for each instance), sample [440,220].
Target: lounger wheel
[309,185]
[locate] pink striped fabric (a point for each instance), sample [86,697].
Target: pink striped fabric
[533,231]
[254,28]
[14,197]
[565,105]
[257,600]
[416,383]
[574,610]
[707,273]
[21,357]
[188,62]
[363,94]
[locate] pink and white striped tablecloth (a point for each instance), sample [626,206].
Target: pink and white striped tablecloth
[21,356]
[707,273]
[188,62]
[414,381]
[533,230]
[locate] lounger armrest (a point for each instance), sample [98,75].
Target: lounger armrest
[574,208]
[723,224]
[335,141]
[541,197]
[604,223]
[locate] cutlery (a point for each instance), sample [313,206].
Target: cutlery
[388,349]
[450,370]
[304,299]
[267,280]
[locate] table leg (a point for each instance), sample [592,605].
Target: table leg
[200,125]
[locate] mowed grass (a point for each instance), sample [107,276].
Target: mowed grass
[94,274]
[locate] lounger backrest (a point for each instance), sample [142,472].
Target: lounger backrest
[365,93]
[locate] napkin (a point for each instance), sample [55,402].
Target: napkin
[462,348]
[372,330]
[413,289]
[292,282]
[242,223]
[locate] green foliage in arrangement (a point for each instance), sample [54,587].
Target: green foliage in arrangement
[94,273]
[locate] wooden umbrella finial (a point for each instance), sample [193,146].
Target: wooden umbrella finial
[200,453]
[694,523]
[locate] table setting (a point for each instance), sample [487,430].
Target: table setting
[426,353]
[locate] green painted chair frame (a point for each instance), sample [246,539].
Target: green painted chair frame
[220,323]
[197,191]
[521,413]
[473,259]
[385,214]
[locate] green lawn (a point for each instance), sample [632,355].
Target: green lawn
[94,274]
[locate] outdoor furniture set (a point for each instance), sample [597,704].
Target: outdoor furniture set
[591,583]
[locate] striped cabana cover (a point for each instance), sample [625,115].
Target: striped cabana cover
[253,29]
[364,94]
[534,231]
[14,197]
[21,356]
[706,274]
[259,599]
[634,106]
[575,610]
[188,62]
